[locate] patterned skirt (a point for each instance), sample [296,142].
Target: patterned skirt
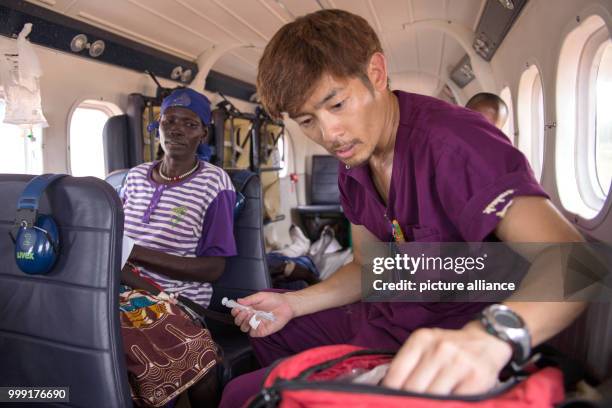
[166,350]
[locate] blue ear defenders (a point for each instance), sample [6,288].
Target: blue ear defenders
[36,237]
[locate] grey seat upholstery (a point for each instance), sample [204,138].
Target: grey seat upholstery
[135,107]
[589,340]
[245,273]
[324,208]
[248,271]
[62,329]
[117,178]
[114,138]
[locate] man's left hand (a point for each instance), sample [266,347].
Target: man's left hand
[460,362]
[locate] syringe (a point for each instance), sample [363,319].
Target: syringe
[232,304]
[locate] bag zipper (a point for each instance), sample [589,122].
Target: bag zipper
[270,396]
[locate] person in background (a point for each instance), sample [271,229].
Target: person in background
[492,107]
[179,211]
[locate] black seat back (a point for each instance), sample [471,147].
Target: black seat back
[589,340]
[115,140]
[62,329]
[324,208]
[117,178]
[324,180]
[248,271]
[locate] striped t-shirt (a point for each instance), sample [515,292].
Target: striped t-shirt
[191,218]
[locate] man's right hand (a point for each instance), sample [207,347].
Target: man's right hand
[277,303]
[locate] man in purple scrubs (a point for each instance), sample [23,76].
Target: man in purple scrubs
[442,171]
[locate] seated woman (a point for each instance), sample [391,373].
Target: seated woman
[179,211]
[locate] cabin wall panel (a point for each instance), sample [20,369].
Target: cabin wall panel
[68,80]
[536,38]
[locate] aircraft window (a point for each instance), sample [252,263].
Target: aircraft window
[21,147]
[531,118]
[508,127]
[86,146]
[603,131]
[584,126]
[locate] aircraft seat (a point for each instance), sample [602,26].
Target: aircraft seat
[115,142]
[589,341]
[116,178]
[324,207]
[245,273]
[62,329]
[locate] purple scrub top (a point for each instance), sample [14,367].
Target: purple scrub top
[454,176]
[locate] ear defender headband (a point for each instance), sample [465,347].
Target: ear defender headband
[36,237]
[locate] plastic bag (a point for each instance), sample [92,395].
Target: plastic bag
[19,73]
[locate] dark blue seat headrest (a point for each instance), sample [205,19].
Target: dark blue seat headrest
[240,180]
[240,203]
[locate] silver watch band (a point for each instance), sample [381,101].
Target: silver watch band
[503,323]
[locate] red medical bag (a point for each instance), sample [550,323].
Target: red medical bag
[320,378]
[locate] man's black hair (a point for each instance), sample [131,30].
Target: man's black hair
[488,99]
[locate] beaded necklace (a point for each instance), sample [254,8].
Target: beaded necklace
[177,178]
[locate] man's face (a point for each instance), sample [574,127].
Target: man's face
[345,117]
[181,131]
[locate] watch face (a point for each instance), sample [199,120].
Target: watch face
[508,320]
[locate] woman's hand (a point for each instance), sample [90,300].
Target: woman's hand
[168,297]
[276,303]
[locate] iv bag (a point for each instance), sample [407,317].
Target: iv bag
[19,73]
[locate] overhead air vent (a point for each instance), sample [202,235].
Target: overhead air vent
[495,22]
[462,74]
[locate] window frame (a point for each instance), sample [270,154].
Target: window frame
[596,68]
[508,127]
[586,111]
[569,55]
[110,109]
[532,118]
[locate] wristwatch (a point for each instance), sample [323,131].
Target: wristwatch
[503,323]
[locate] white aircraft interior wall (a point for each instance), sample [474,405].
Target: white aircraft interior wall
[536,37]
[68,80]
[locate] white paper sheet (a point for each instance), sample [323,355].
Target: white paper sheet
[126,249]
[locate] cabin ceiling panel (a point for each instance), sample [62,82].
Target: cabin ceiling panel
[453,53]
[222,24]
[250,15]
[187,28]
[233,66]
[364,8]
[430,48]
[154,28]
[465,12]
[430,9]
[372,13]
[392,13]
[59,6]
[248,56]
[301,7]
[404,46]
[196,20]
